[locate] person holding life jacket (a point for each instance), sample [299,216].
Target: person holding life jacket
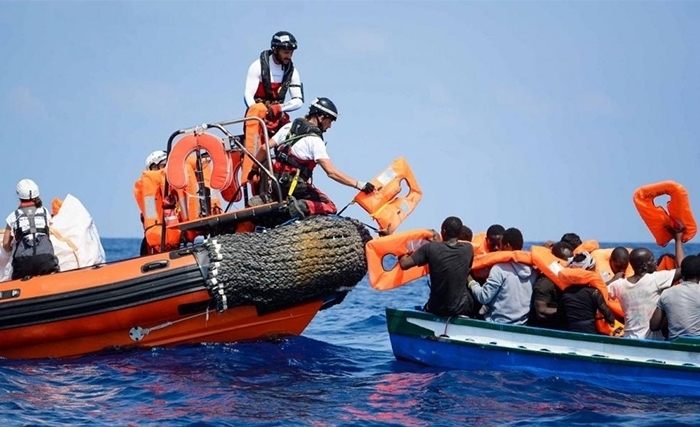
[449,262]
[270,79]
[639,293]
[298,148]
[28,227]
[155,209]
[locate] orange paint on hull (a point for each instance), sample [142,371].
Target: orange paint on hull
[168,314]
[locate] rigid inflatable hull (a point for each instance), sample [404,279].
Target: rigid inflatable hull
[159,300]
[633,366]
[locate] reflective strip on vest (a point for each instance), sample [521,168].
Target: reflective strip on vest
[149,204]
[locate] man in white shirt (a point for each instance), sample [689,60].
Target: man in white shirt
[640,293]
[678,308]
[299,147]
[270,79]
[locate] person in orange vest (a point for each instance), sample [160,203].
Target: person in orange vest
[270,79]
[299,147]
[155,208]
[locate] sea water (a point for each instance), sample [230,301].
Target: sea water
[341,371]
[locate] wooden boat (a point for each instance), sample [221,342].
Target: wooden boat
[621,364]
[234,286]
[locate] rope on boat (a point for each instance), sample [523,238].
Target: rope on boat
[138,333]
[301,261]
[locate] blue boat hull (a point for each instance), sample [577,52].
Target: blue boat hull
[445,352]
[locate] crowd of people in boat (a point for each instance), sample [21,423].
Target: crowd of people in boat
[273,89]
[659,300]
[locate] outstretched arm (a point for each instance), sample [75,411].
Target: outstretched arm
[336,175]
[678,237]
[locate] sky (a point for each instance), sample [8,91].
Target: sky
[540,115]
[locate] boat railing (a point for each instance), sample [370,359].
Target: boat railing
[231,143]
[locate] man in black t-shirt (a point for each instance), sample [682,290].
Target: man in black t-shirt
[449,263]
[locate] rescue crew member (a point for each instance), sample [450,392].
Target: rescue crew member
[299,146]
[270,78]
[273,76]
[148,191]
[28,227]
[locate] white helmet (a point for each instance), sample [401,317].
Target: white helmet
[156,157]
[27,189]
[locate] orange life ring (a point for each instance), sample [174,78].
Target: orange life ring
[385,205]
[657,218]
[396,245]
[177,171]
[579,276]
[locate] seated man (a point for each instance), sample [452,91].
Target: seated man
[449,262]
[546,295]
[619,261]
[639,294]
[507,291]
[299,147]
[679,307]
[581,303]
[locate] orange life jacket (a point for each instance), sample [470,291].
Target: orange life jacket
[657,218]
[579,276]
[547,263]
[602,263]
[381,277]
[56,204]
[490,259]
[148,192]
[588,246]
[388,208]
[666,263]
[479,243]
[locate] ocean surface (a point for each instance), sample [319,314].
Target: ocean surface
[341,371]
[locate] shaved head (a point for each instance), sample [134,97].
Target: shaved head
[642,261]
[619,260]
